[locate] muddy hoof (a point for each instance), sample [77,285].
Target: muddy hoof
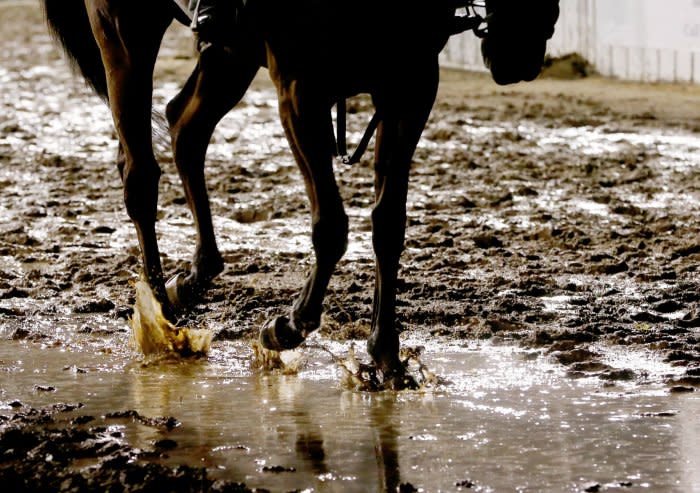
[179,291]
[280,335]
[399,380]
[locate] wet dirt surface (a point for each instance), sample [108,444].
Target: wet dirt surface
[559,217]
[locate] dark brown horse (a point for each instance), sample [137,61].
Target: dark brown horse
[313,60]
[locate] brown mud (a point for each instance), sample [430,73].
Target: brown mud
[562,216]
[518,230]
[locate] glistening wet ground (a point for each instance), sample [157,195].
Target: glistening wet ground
[551,268]
[503,422]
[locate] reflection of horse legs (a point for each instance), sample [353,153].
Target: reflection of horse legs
[404,116]
[386,447]
[307,123]
[129,39]
[217,85]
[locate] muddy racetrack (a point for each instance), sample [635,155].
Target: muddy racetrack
[561,215]
[556,211]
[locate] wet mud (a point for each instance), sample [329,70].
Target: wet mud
[559,217]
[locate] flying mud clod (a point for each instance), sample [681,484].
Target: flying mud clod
[152,333]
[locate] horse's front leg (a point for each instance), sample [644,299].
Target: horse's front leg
[129,40]
[307,122]
[217,85]
[403,119]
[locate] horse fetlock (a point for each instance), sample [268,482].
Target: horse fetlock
[183,290]
[305,323]
[206,266]
[385,354]
[161,294]
[383,348]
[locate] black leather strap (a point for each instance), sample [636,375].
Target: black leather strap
[341,132]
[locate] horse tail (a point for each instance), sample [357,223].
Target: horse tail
[69,24]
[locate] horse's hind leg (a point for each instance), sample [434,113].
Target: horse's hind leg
[129,37]
[307,123]
[404,116]
[216,86]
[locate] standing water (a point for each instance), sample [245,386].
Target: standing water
[502,421]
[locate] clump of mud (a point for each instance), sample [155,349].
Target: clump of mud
[568,67]
[152,333]
[51,450]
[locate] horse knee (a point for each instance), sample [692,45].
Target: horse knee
[141,191]
[330,237]
[190,135]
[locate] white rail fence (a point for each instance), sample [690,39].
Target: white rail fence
[644,40]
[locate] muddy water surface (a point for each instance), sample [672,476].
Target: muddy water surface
[503,422]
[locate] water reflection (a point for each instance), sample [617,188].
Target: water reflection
[385,442]
[505,422]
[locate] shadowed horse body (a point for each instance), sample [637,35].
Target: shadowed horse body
[313,61]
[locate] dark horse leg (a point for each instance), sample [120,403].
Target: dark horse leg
[216,86]
[307,122]
[129,36]
[404,115]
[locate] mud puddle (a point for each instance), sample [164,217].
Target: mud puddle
[504,421]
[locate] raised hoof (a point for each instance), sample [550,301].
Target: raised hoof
[279,335]
[179,291]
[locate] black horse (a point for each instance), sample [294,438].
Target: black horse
[314,62]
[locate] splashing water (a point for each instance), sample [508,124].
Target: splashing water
[364,377]
[355,375]
[270,361]
[152,333]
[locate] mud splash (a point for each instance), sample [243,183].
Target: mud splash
[152,333]
[273,362]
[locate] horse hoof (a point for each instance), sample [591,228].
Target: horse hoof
[279,335]
[392,372]
[176,289]
[400,381]
[394,376]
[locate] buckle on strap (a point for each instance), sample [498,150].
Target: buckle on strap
[341,140]
[472,21]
